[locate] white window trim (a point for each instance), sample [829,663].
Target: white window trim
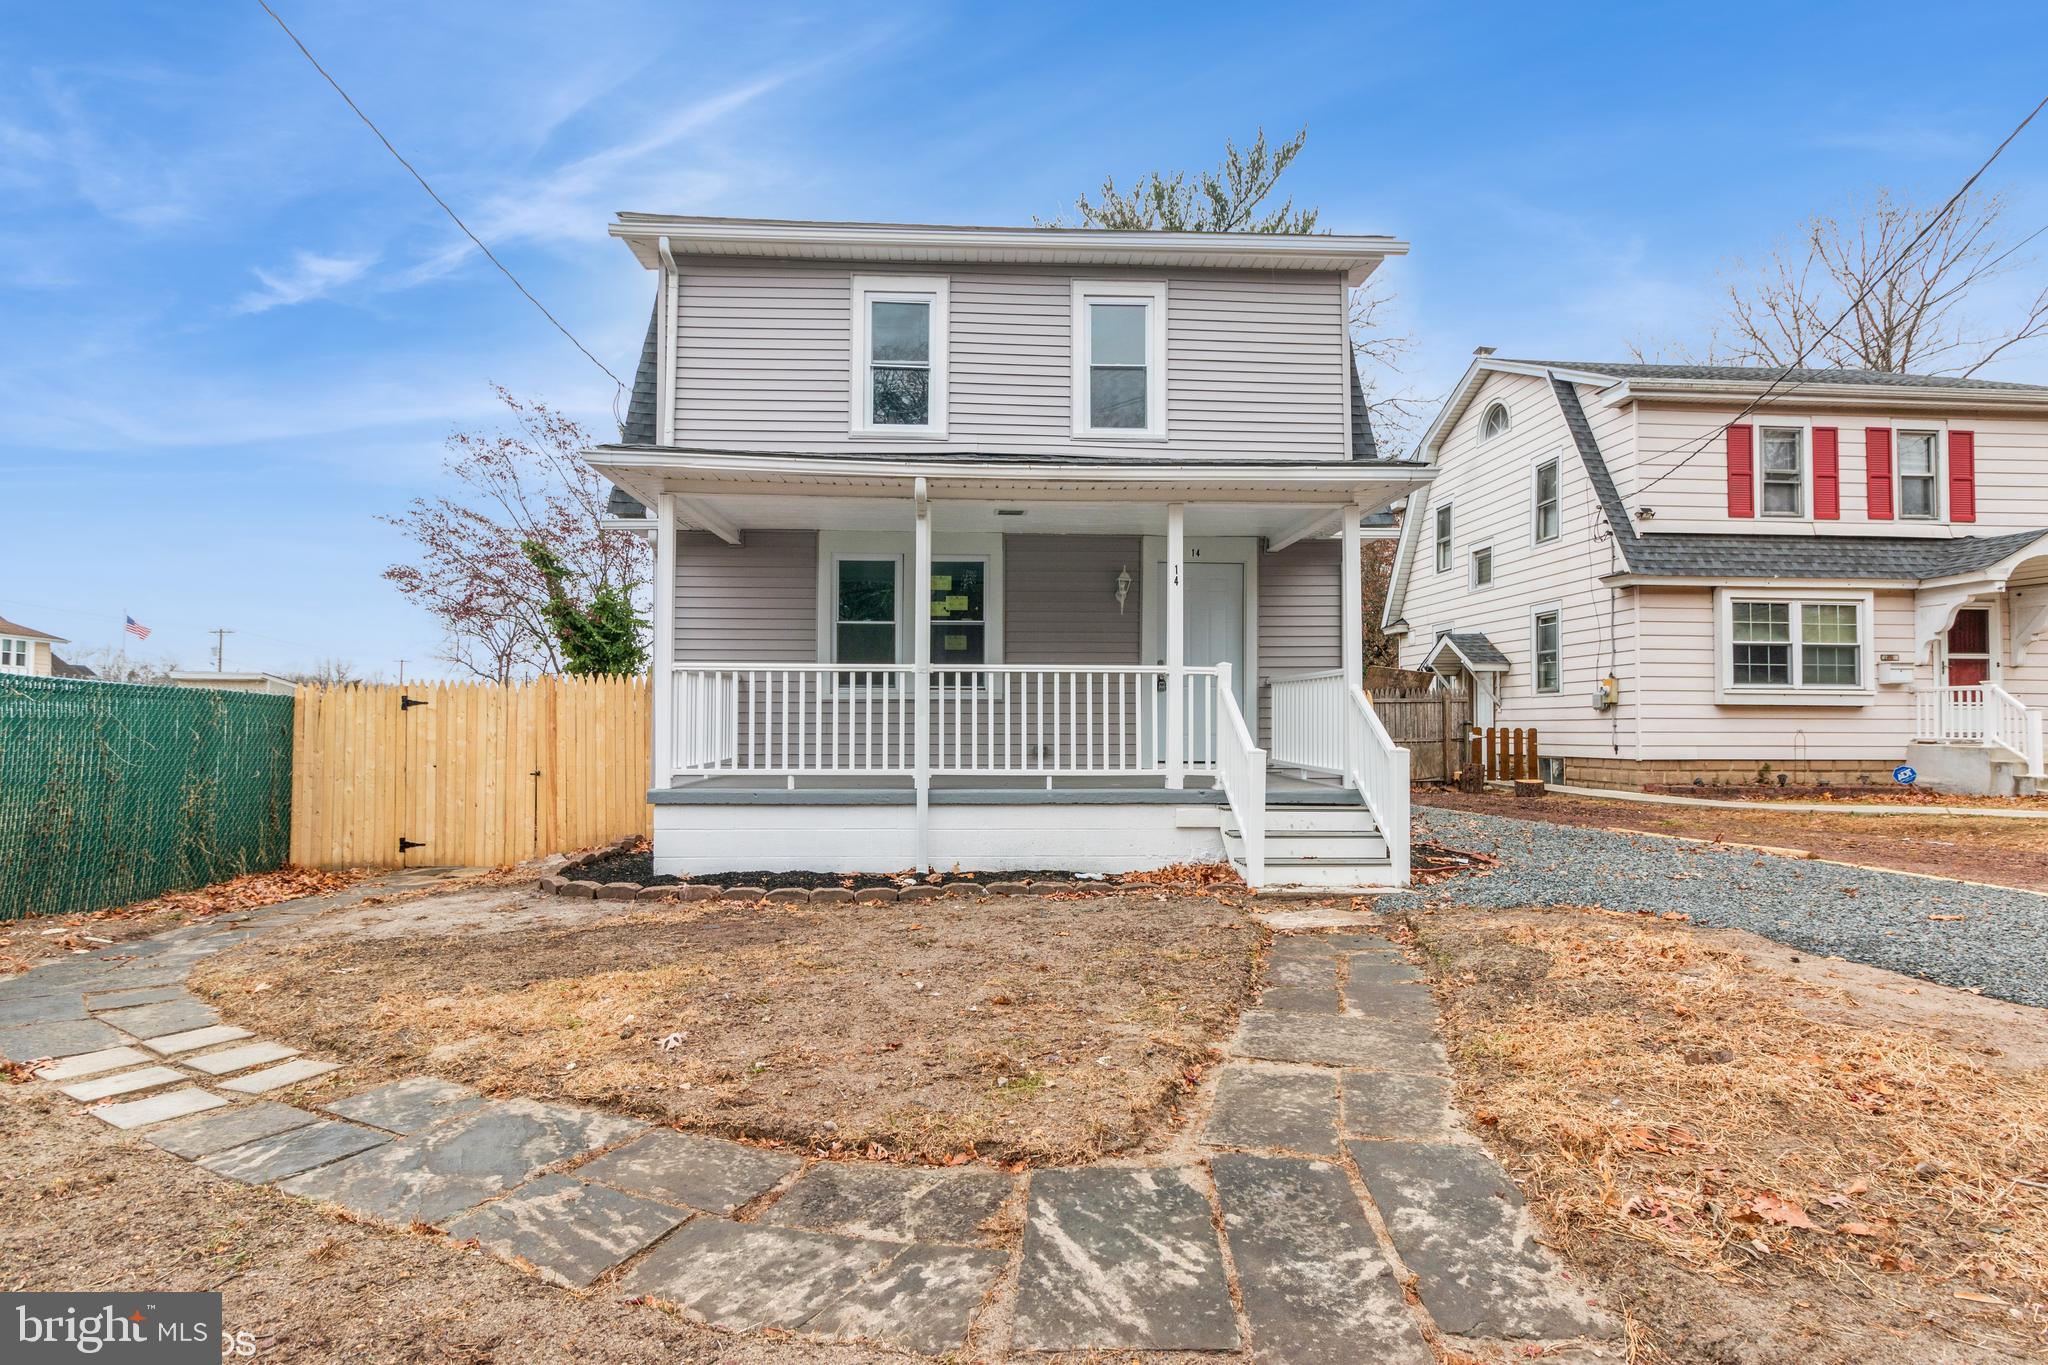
[932,289]
[1506,427]
[1535,673]
[1536,536]
[1441,562]
[1804,426]
[27,648]
[834,546]
[1728,694]
[1472,567]
[1153,295]
[1939,426]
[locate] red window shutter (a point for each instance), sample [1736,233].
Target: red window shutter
[1827,473]
[1962,476]
[1877,471]
[1741,471]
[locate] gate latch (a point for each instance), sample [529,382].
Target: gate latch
[403,842]
[406,703]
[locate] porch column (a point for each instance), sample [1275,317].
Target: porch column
[1352,630]
[921,678]
[661,767]
[1176,666]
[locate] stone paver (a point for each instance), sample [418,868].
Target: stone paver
[1316,1288]
[123,1083]
[239,1058]
[409,1105]
[1271,1110]
[165,1017]
[1302,970]
[1459,1224]
[41,1009]
[1378,1044]
[1379,969]
[1300,999]
[278,1077]
[455,1165]
[742,1277]
[570,1232]
[204,1134]
[285,1154]
[62,1038]
[1394,1104]
[1121,1260]
[157,1108]
[93,1063]
[700,1172]
[1390,1000]
[924,1300]
[892,1203]
[175,1043]
[146,995]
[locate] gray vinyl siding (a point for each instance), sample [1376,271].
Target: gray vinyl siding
[1301,623]
[1256,362]
[756,602]
[1059,600]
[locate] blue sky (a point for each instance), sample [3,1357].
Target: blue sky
[235,331]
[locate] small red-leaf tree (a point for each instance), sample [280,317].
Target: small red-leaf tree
[525,484]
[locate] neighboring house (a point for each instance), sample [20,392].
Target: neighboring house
[1851,577]
[1008,548]
[268,683]
[24,649]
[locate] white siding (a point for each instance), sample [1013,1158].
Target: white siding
[756,602]
[1300,616]
[1255,361]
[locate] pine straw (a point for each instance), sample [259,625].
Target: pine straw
[1653,1091]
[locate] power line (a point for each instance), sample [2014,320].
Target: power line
[452,215]
[1897,261]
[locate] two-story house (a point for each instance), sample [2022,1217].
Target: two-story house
[1717,573]
[1009,548]
[26,650]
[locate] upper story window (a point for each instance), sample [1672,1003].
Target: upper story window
[1919,473]
[1546,501]
[1548,652]
[1482,567]
[1119,359]
[17,655]
[1784,468]
[899,356]
[1494,421]
[1443,539]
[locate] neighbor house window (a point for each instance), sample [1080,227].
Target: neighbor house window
[1494,422]
[15,654]
[1784,472]
[865,610]
[1546,501]
[1918,456]
[1119,359]
[899,356]
[1482,566]
[1443,539]
[1793,644]
[1546,651]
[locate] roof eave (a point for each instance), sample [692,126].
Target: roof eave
[1896,397]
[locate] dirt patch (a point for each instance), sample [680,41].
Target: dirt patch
[639,867]
[1758,1165]
[1982,849]
[1036,1029]
[1875,794]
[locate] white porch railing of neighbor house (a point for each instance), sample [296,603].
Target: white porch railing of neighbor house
[1980,713]
[1050,720]
[1322,722]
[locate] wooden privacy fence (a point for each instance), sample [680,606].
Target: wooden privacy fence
[1431,725]
[1505,755]
[467,774]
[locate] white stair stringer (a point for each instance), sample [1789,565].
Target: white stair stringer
[1336,847]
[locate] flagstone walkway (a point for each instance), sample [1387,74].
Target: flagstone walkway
[1330,1159]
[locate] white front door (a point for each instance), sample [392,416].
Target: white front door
[1213,633]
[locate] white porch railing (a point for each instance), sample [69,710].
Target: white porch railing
[1308,721]
[1241,772]
[1019,720]
[1322,723]
[1980,713]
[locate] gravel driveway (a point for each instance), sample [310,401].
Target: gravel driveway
[1886,919]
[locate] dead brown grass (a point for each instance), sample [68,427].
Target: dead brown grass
[1021,1029]
[1732,1167]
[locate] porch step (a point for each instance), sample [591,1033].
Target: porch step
[1319,845]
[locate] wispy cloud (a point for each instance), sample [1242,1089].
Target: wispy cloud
[311,276]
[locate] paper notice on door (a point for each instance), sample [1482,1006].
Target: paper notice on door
[957,602]
[942,582]
[956,642]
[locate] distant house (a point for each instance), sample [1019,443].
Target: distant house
[24,649]
[268,683]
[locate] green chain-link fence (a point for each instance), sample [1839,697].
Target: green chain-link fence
[112,793]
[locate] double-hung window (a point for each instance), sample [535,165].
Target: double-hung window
[1784,466]
[1119,359]
[1443,539]
[1547,650]
[869,609]
[1786,644]
[866,606]
[1482,567]
[1546,501]
[899,368]
[1919,459]
[17,654]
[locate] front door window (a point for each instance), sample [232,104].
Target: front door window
[1969,648]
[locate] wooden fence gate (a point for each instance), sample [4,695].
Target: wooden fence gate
[467,774]
[1430,725]
[1505,754]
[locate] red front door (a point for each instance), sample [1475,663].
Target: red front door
[1969,648]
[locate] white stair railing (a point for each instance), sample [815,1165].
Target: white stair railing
[1980,713]
[1308,721]
[1241,771]
[1378,767]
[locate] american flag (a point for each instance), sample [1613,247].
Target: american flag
[136,628]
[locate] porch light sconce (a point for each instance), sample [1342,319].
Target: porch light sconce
[1123,588]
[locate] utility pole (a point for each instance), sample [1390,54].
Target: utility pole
[401,672]
[220,648]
